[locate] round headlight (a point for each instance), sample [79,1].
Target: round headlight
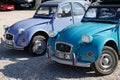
[20,30]
[86,38]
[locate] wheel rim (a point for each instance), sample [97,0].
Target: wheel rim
[39,47]
[107,62]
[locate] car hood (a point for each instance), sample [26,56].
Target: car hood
[73,33]
[6,5]
[26,24]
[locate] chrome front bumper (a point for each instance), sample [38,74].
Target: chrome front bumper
[10,44]
[51,55]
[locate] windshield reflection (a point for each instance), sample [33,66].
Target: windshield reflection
[46,11]
[106,14]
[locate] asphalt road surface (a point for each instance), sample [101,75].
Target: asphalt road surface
[19,65]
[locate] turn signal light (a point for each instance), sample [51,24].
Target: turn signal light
[89,54]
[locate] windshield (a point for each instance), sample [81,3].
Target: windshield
[102,14]
[46,11]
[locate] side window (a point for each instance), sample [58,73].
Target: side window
[64,11]
[118,13]
[91,13]
[77,9]
[106,13]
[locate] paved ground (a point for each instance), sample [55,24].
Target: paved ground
[19,65]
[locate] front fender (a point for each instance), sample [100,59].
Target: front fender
[29,33]
[95,47]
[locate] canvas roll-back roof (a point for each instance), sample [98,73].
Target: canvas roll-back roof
[110,2]
[56,2]
[106,2]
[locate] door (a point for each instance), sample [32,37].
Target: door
[63,17]
[78,12]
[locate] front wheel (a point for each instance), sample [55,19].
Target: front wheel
[38,46]
[107,62]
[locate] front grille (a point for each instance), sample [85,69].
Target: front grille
[63,47]
[9,37]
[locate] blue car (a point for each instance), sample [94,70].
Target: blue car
[95,42]
[32,34]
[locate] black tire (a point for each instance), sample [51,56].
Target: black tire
[38,46]
[107,62]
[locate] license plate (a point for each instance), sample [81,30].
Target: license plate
[63,56]
[9,42]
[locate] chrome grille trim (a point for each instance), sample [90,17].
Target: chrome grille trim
[66,44]
[9,36]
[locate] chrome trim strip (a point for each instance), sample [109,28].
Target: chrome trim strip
[70,62]
[10,34]
[51,55]
[10,47]
[74,59]
[64,43]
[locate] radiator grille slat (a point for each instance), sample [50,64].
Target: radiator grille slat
[9,37]
[63,47]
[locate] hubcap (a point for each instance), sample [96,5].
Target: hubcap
[39,47]
[106,61]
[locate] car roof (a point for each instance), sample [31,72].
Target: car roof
[56,2]
[108,5]
[111,3]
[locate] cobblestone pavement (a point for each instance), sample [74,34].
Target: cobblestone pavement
[19,65]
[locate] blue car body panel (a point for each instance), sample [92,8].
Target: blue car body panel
[31,26]
[96,30]
[43,23]
[88,29]
[85,41]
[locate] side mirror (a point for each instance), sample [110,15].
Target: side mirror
[5,27]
